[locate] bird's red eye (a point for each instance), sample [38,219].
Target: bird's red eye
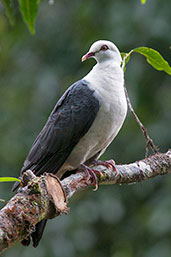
[104,48]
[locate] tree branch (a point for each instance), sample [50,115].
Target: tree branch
[46,197]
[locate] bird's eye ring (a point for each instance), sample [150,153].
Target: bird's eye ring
[104,48]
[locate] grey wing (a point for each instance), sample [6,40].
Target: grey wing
[71,118]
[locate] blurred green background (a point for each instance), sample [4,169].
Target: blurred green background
[116,221]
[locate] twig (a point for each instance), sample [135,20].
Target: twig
[149,141]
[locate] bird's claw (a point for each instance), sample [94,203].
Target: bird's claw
[108,164]
[92,173]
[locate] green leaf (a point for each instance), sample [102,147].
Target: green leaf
[9,179]
[29,8]
[154,58]
[143,1]
[9,10]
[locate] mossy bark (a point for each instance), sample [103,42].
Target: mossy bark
[31,204]
[46,197]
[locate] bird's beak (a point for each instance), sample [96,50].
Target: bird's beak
[87,56]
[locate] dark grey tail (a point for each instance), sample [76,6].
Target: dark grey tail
[37,235]
[40,226]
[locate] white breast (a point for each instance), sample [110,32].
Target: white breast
[107,84]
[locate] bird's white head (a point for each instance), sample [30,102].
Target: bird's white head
[103,50]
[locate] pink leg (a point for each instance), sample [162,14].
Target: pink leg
[107,164]
[91,173]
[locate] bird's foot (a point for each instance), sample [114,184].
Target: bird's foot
[107,164]
[92,173]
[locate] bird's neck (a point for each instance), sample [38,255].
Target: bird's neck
[107,81]
[106,74]
[108,68]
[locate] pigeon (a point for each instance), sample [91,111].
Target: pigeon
[83,123]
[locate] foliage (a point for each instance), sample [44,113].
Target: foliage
[9,10]
[143,1]
[153,57]
[9,179]
[28,9]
